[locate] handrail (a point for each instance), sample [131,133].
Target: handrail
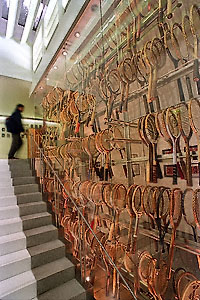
[84,219]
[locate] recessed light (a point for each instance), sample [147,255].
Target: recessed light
[87,278]
[55,67]
[77,34]
[64,53]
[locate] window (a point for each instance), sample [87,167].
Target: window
[37,49]
[51,20]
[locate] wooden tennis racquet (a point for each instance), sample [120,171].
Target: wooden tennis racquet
[175,213]
[181,52]
[186,132]
[174,133]
[195,25]
[152,137]
[142,134]
[194,113]
[166,35]
[137,208]
[191,41]
[196,206]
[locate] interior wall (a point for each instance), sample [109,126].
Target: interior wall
[13,92]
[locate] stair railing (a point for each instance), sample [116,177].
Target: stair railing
[44,161]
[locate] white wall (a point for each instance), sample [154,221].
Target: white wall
[15,59]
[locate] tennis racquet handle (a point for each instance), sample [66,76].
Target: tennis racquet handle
[199,171]
[146,108]
[169,9]
[175,174]
[189,87]
[198,87]
[160,12]
[155,173]
[196,75]
[188,165]
[180,172]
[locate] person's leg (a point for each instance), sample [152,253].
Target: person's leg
[16,144]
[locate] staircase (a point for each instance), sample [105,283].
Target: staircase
[32,258]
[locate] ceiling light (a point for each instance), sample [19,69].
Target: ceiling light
[77,34]
[64,53]
[55,67]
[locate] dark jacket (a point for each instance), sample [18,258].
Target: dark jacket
[17,126]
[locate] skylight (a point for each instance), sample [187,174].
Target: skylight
[24,12]
[40,14]
[5,9]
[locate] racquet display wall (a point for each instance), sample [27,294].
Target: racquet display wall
[130,108]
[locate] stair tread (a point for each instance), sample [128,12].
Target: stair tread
[14,257]
[10,221]
[35,216]
[45,247]
[15,207]
[17,282]
[70,289]
[51,268]
[29,194]
[12,237]
[7,196]
[31,203]
[39,230]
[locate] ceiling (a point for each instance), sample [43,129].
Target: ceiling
[19,19]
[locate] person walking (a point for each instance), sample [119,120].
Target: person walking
[14,125]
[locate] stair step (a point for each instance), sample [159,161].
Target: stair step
[41,235]
[15,263]
[71,289]
[23,180]
[36,220]
[8,201]
[25,189]
[29,198]
[6,183]
[21,172]
[18,163]
[9,212]
[46,253]
[53,274]
[19,287]
[32,208]
[12,242]
[19,166]
[9,226]
[7,191]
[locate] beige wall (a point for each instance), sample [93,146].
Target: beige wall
[12,92]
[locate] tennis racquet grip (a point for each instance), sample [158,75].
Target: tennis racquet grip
[188,166]
[189,87]
[160,12]
[155,173]
[196,75]
[169,9]
[180,172]
[175,174]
